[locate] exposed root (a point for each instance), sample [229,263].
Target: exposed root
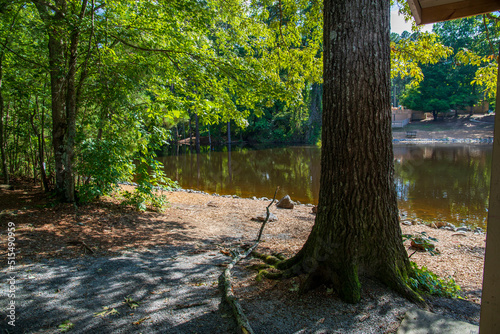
[269,259]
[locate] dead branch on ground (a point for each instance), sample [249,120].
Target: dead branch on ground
[226,283]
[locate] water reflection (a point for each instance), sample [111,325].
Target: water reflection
[449,183]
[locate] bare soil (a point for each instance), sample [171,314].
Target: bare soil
[211,226]
[462,127]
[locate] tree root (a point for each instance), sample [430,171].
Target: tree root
[226,282]
[282,269]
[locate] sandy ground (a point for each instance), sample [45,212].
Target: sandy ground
[464,127]
[75,262]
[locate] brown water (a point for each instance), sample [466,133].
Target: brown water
[434,183]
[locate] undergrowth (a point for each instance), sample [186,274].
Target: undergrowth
[422,279]
[425,281]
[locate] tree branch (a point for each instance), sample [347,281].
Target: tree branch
[21,56]
[225,278]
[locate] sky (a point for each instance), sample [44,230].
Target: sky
[399,25]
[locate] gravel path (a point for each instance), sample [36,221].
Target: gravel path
[176,290]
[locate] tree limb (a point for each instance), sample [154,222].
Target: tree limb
[225,279]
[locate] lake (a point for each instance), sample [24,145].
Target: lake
[434,183]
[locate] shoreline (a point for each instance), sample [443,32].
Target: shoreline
[425,141]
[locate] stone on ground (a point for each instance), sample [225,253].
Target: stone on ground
[417,321]
[285,203]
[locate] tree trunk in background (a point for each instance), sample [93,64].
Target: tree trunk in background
[314,122]
[357,225]
[40,139]
[190,133]
[196,120]
[5,170]
[63,57]
[229,132]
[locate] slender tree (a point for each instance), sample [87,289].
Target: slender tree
[357,226]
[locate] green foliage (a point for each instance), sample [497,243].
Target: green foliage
[66,326]
[424,280]
[103,164]
[410,51]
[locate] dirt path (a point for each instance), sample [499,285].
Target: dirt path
[458,129]
[169,264]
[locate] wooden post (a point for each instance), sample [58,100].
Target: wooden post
[490,300]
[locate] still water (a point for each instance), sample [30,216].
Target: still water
[434,183]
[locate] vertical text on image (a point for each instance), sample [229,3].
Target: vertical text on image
[11,280]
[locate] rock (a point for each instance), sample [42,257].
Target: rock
[212,204]
[416,222]
[478,230]
[441,224]
[406,222]
[262,217]
[285,203]
[315,209]
[462,229]
[449,228]
[421,244]
[433,225]
[254,198]
[236,196]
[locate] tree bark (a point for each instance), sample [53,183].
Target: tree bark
[5,170]
[357,225]
[197,122]
[63,56]
[314,121]
[40,139]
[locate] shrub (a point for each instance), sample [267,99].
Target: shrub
[424,280]
[102,164]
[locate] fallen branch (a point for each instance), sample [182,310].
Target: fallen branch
[82,244]
[225,278]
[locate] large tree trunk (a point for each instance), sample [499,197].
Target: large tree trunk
[357,226]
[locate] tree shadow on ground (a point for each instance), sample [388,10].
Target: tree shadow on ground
[175,289]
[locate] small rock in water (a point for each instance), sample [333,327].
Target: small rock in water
[406,222]
[462,229]
[285,203]
[254,198]
[262,217]
[478,230]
